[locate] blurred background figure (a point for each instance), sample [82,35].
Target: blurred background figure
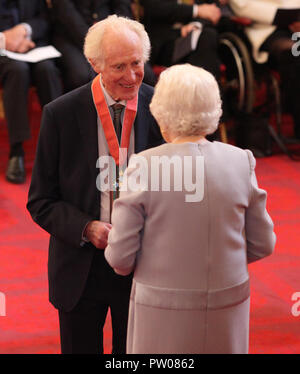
[23,26]
[168,20]
[71,20]
[189,249]
[274,45]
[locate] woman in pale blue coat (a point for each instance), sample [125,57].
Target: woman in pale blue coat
[189,219]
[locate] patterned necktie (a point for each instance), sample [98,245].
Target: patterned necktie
[117,108]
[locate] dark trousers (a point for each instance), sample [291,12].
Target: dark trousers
[81,329]
[16,77]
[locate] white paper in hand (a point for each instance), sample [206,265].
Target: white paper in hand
[34,55]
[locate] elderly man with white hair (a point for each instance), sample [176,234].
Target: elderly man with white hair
[79,130]
[189,252]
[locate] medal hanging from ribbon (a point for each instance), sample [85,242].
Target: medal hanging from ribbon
[109,129]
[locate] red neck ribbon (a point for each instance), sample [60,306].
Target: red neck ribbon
[106,121]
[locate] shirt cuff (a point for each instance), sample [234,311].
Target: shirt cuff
[195,11]
[2,40]
[84,239]
[28,30]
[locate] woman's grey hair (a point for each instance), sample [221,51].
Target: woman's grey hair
[94,38]
[187,101]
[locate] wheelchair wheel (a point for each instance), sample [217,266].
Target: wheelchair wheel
[237,76]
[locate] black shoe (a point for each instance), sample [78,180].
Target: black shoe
[15,172]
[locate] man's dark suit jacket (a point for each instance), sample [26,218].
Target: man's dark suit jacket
[63,196]
[159,18]
[72,18]
[33,12]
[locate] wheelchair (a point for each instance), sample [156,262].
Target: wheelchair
[237,75]
[249,87]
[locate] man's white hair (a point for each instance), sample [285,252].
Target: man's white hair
[187,101]
[93,50]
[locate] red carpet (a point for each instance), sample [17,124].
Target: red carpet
[31,323]
[275,279]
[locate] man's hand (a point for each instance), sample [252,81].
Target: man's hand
[25,46]
[97,233]
[210,12]
[14,37]
[186,29]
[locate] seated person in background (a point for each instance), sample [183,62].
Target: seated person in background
[274,44]
[23,25]
[168,20]
[71,20]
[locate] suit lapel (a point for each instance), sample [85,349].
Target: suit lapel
[87,123]
[141,125]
